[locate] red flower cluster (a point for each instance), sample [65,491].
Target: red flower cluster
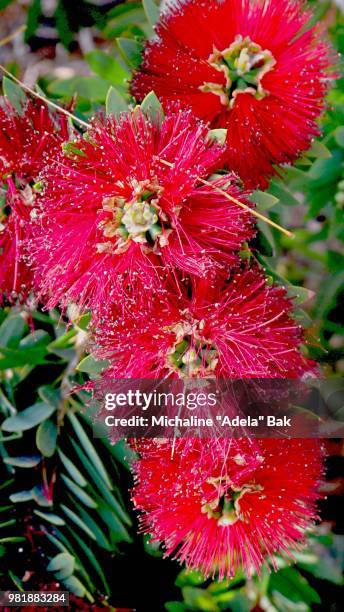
[254,67]
[28,141]
[138,220]
[236,328]
[226,505]
[131,201]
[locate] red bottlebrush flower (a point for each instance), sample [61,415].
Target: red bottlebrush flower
[28,139]
[251,66]
[226,505]
[237,329]
[126,201]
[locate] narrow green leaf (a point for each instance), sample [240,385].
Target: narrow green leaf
[263,199]
[12,539]
[91,366]
[101,486]
[90,450]
[102,540]
[50,517]
[46,437]
[72,470]
[115,104]
[151,107]
[21,496]
[74,585]
[106,66]
[62,565]
[23,462]
[79,493]
[14,93]
[300,294]
[28,418]
[91,558]
[50,396]
[12,330]
[77,520]
[219,135]
[130,50]
[152,11]
[318,150]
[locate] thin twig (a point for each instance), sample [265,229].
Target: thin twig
[14,34]
[238,203]
[43,99]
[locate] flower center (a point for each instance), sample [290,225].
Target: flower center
[139,219]
[191,354]
[243,64]
[225,507]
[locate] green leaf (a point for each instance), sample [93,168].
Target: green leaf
[263,199]
[199,599]
[339,136]
[219,135]
[90,450]
[14,93]
[115,104]
[78,492]
[50,517]
[300,295]
[91,88]
[91,558]
[189,578]
[50,396]
[34,13]
[28,418]
[24,462]
[74,585]
[292,585]
[175,606]
[152,11]
[101,486]
[62,565]
[4,4]
[72,470]
[46,437]
[151,107]
[31,351]
[92,366]
[12,539]
[77,520]
[101,538]
[21,496]
[261,243]
[283,194]
[122,19]
[106,66]
[12,330]
[131,51]
[318,150]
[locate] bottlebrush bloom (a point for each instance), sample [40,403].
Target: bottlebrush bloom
[252,66]
[28,139]
[237,329]
[125,202]
[222,506]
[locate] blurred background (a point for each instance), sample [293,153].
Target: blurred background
[65,514]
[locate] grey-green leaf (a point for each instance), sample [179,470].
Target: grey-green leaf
[152,108]
[152,11]
[46,437]
[14,93]
[28,418]
[115,104]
